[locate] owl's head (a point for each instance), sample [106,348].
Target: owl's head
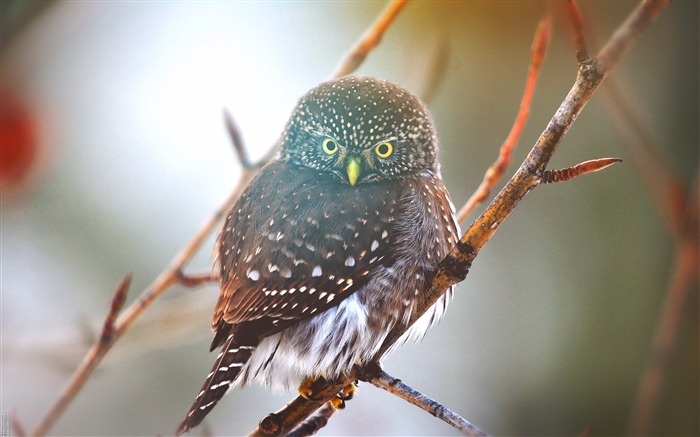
[361,129]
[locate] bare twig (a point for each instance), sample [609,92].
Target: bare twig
[576,19]
[566,174]
[117,304]
[678,210]
[432,79]
[505,156]
[16,425]
[685,274]
[234,133]
[370,40]
[455,266]
[398,388]
[91,360]
[656,171]
[165,280]
[196,279]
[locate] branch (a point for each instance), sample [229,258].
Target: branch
[685,274]
[369,40]
[658,175]
[234,133]
[314,423]
[15,425]
[505,156]
[455,266]
[398,388]
[169,277]
[576,19]
[196,279]
[91,360]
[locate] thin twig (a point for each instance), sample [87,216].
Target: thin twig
[16,426]
[398,388]
[576,20]
[566,174]
[505,156]
[456,264]
[435,74]
[196,279]
[369,40]
[91,360]
[684,276]
[655,169]
[163,282]
[234,134]
[684,273]
[117,303]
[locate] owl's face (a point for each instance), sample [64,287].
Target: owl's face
[361,129]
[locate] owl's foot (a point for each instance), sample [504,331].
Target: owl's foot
[338,402]
[310,387]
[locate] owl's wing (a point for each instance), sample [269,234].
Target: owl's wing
[297,243]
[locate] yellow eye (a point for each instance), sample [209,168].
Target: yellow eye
[330,146]
[384,150]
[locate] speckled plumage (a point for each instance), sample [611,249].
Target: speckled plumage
[327,248]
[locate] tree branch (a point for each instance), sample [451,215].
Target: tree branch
[91,360]
[456,264]
[685,274]
[505,156]
[314,423]
[398,388]
[369,40]
[170,276]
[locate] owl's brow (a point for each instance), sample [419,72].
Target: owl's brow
[315,130]
[385,140]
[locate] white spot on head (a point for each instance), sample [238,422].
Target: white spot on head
[317,272]
[253,275]
[375,245]
[350,261]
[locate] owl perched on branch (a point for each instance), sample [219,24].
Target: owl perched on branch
[328,248]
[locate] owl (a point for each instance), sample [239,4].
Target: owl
[327,249]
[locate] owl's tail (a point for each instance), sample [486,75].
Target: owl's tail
[229,363]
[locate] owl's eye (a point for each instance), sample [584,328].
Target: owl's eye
[329,146]
[384,150]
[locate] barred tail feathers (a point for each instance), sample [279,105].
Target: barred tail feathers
[227,367]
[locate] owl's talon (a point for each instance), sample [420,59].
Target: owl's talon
[348,392]
[310,387]
[338,402]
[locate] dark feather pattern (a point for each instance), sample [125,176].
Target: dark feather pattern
[287,263]
[228,365]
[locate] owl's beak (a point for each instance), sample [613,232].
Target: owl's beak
[353,168]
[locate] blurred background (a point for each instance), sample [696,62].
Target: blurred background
[115,152]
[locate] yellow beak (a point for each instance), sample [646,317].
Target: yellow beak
[353,169]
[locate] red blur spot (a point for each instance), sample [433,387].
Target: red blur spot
[18,148]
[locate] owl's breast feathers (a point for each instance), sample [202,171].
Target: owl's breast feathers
[298,242]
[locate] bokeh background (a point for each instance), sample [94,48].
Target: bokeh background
[119,107]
